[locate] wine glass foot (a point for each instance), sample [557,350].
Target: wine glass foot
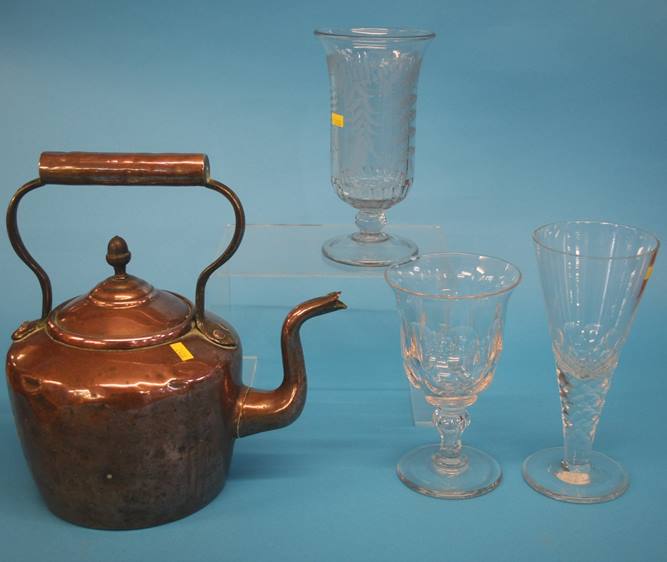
[387,251]
[605,481]
[418,472]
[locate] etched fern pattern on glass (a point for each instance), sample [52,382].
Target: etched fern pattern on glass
[372,154]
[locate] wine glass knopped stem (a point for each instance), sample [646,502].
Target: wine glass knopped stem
[450,424]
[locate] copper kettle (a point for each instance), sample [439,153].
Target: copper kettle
[128,399]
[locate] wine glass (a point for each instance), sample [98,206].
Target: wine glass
[593,275]
[373,76]
[452,309]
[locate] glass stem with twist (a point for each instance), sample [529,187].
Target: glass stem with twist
[450,423]
[582,401]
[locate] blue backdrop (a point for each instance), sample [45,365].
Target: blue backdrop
[528,112]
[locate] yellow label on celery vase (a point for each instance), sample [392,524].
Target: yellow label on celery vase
[337,120]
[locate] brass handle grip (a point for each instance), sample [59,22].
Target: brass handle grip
[105,168]
[119,168]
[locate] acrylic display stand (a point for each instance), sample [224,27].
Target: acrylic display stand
[279,264]
[249,370]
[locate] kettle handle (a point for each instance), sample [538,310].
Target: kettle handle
[108,168]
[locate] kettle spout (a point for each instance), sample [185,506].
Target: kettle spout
[261,410]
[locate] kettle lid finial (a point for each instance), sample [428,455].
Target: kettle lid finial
[118,254]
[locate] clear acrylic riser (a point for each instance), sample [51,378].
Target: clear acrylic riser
[280,265]
[249,370]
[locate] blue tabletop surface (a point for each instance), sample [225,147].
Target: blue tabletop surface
[529,111]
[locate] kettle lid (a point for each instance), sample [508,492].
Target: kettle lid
[121,312]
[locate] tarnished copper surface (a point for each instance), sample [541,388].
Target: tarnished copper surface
[115,168]
[128,400]
[129,438]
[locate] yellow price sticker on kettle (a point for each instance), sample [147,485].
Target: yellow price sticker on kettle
[337,120]
[182,351]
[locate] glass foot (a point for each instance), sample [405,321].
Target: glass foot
[605,481]
[386,251]
[418,472]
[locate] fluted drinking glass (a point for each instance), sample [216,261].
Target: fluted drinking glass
[452,310]
[593,275]
[373,75]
